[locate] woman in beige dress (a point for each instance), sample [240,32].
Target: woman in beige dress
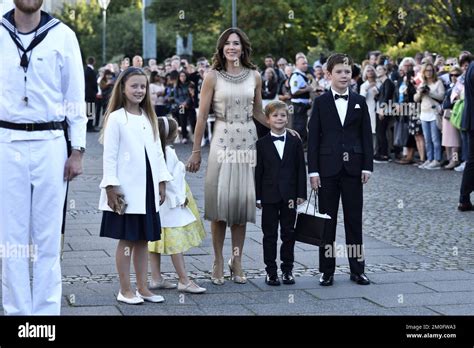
[233,87]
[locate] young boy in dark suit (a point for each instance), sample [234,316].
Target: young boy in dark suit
[280,178]
[340,161]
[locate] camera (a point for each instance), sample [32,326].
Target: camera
[425,89]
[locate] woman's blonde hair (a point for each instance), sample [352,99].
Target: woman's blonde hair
[117,100]
[366,70]
[423,69]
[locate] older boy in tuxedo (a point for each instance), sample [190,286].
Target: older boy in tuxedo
[340,161]
[280,178]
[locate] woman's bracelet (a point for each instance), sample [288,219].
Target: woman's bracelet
[195,151]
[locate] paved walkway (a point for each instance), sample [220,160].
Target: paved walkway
[419,255]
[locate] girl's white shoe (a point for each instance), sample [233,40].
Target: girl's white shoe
[191,287]
[134,300]
[153,298]
[162,284]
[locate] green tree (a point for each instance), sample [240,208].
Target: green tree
[124,33]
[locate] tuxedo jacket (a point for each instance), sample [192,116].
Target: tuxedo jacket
[279,179]
[91,84]
[333,146]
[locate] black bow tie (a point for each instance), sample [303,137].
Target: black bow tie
[282,138]
[345,97]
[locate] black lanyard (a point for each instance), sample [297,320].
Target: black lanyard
[24,62]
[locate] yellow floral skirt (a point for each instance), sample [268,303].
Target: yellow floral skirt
[175,240]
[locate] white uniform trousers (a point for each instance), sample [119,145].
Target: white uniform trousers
[32,193]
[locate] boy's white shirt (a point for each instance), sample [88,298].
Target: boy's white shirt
[172,213]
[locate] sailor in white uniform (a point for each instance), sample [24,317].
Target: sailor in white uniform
[41,90]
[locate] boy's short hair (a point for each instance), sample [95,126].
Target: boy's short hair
[339,58]
[275,105]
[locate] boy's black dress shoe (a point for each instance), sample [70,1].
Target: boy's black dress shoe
[272,279]
[360,279]
[288,278]
[326,279]
[465,207]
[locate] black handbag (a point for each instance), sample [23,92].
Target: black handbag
[400,136]
[309,228]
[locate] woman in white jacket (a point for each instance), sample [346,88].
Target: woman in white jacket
[181,225]
[133,184]
[430,93]
[369,89]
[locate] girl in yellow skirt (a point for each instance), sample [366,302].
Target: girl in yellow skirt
[181,225]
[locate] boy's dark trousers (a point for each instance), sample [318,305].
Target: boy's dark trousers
[274,214]
[349,189]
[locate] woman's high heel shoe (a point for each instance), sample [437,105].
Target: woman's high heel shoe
[236,278]
[216,280]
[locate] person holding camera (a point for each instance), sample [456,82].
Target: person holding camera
[430,93]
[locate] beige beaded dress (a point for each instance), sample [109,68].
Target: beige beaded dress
[230,186]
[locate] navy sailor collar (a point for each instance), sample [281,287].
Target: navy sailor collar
[47,22]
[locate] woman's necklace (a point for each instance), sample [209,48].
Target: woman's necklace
[244,73]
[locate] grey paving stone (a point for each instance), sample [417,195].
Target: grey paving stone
[85,254]
[105,269]
[87,261]
[306,247]
[454,309]
[75,270]
[226,310]
[413,258]
[369,251]
[222,299]
[409,311]
[450,285]
[184,310]
[418,276]
[375,260]
[355,290]
[228,287]
[326,307]
[422,299]
[100,244]
[282,309]
[301,283]
[143,309]
[80,298]
[93,310]
[288,296]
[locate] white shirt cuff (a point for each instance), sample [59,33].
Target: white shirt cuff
[311,175]
[259,201]
[367,172]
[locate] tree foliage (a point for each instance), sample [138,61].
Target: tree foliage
[284,28]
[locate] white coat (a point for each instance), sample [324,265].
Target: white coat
[172,213]
[126,137]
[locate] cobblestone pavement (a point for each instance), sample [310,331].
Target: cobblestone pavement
[417,247]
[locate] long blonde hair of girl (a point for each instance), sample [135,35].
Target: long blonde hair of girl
[117,100]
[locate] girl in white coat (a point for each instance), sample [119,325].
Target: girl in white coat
[181,225]
[133,184]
